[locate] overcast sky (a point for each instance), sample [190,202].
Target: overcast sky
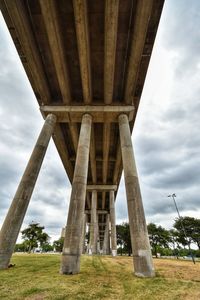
[166,135]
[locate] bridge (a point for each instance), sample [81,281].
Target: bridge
[86,62]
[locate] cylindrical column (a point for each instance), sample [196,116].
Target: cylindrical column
[143,263]
[84,232]
[13,221]
[113,225]
[98,236]
[73,242]
[106,239]
[93,224]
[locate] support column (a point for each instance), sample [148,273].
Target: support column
[142,258]
[106,240]
[113,224]
[73,242]
[13,221]
[93,224]
[98,235]
[84,232]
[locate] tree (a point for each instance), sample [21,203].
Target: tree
[34,236]
[124,238]
[192,230]
[58,244]
[46,247]
[23,247]
[158,236]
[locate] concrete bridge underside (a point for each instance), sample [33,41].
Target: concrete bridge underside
[86,62]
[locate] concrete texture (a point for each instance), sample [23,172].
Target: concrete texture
[13,221]
[93,224]
[113,224]
[106,240]
[73,236]
[142,258]
[85,217]
[81,77]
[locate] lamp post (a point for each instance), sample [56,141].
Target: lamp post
[183,228]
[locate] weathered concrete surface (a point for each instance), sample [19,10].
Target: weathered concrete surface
[73,241]
[85,219]
[13,221]
[93,224]
[143,264]
[106,240]
[113,224]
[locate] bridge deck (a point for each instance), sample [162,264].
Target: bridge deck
[82,54]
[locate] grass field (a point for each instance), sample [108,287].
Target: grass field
[36,277]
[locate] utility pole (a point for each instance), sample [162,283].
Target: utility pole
[182,225]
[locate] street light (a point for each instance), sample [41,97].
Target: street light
[183,228]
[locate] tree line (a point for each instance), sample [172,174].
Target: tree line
[34,237]
[173,242]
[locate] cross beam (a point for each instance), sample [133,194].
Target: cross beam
[100,114]
[101,187]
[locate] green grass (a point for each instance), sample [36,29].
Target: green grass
[36,277]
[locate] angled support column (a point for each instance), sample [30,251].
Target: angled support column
[13,221]
[106,240]
[93,224]
[142,258]
[113,225]
[72,248]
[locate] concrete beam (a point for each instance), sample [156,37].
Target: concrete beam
[101,187]
[50,18]
[100,114]
[51,22]
[81,24]
[143,13]
[99,212]
[34,69]
[30,55]
[97,158]
[111,23]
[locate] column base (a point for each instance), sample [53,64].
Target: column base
[114,252]
[70,264]
[4,261]
[143,265]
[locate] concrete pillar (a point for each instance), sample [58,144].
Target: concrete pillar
[143,264]
[98,236]
[93,224]
[13,221]
[106,240]
[113,224]
[72,248]
[84,232]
